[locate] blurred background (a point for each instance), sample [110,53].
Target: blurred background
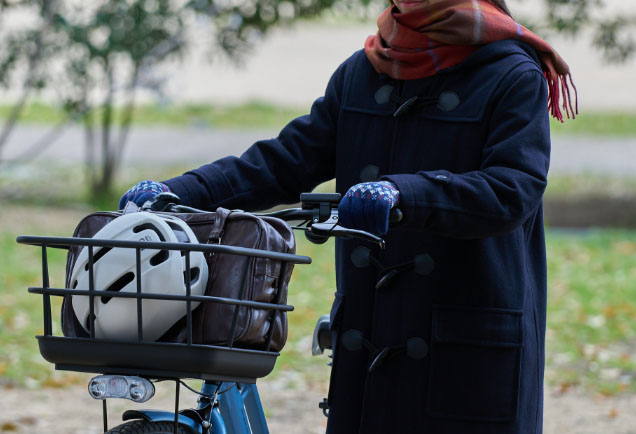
[95,96]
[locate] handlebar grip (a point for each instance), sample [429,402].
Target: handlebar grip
[161,201]
[168,202]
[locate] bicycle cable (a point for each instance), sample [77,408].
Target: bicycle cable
[184,384]
[227,389]
[205,395]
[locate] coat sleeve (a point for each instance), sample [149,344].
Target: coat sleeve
[509,185]
[275,171]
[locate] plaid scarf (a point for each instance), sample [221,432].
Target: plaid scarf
[442,34]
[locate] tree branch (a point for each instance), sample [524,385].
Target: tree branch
[47,11]
[107,154]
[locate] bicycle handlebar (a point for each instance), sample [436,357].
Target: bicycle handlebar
[318,212]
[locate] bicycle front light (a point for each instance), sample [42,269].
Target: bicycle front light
[116,386]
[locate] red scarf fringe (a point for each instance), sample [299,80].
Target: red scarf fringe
[419,44]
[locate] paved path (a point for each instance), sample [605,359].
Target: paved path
[195,146]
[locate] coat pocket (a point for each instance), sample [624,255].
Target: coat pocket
[475,364]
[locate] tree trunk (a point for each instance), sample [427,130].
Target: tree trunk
[104,182]
[127,116]
[89,142]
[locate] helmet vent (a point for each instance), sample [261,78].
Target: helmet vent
[159,258]
[149,226]
[182,236]
[99,255]
[194,275]
[118,285]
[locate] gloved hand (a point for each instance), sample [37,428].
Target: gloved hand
[141,192]
[367,206]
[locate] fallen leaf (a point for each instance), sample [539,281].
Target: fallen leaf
[59,383]
[564,387]
[613,413]
[28,420]
[8,427]
[610,311]
[625,247]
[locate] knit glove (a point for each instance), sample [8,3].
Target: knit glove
[141,192]
[367,206]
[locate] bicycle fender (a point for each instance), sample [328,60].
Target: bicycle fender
[163,416]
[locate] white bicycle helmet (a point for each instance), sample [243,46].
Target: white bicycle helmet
[162,272]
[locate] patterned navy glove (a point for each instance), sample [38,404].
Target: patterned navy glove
[367,206]
[141,192]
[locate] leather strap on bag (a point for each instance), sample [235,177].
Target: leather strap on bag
[216,234]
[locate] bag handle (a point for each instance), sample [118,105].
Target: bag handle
[216,234]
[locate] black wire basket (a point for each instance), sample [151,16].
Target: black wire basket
[157,359]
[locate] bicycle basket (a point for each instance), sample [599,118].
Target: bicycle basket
[187,359]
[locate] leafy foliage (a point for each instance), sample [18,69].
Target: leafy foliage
[613,31]
[96,56]
[616,38]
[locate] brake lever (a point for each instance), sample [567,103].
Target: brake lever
[340,231]
[330,227]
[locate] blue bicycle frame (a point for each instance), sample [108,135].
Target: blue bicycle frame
[237,410]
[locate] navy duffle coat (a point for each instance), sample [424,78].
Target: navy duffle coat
[470,159]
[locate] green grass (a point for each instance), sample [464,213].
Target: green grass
[20,313]
[591,314]
[57,184]
[253,114]
[258,114]
[249,115]
[618,124]
[35,113]
[592,310]
[311,292]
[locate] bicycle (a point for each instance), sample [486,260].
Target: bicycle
[228,402]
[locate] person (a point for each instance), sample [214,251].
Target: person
[444,114]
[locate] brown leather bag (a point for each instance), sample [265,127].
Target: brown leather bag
[212,322]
